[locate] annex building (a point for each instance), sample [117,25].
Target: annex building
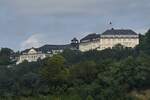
[33,54]
[109,39]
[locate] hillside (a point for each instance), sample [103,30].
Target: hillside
[110,74]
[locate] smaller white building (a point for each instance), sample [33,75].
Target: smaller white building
[32,56]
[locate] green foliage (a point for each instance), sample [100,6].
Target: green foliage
[5,56]
[84,71]
[55,72]
[72,56]
[89,98]
[54,69]
[48,97]
[145,43]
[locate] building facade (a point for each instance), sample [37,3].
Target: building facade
[109,39]
[32,56]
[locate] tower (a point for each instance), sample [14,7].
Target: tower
[75,43]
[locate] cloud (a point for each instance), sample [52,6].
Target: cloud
[39,39]
[34,40]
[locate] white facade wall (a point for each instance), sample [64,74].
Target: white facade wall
[86,46]
[109,41]
[32,56]
[125,41]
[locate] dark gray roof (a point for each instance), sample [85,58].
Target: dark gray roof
[119,32]
[112,31]
[46,48]
[90,37]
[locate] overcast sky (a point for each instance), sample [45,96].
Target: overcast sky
[28,23]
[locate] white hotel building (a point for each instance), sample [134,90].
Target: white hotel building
[31,56]
[109,39]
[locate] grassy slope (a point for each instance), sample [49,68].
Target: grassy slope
[72,97]
[142,94]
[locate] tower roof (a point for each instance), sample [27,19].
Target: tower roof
[74,39]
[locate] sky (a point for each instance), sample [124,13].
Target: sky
[33,23]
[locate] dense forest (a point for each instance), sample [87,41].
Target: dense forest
[111,74]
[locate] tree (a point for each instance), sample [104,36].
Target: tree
[145,44]
[89,97]
[84,71]
[6,81]
[5,56]
[55,72]
[30,82]
[72,56]
[118,47]
[54,68]
[131,73]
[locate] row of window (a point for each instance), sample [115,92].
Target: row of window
[106,40]
[29,57]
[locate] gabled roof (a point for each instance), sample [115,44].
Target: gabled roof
[27,50]
[90,37]
[32,51]
[119,32]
